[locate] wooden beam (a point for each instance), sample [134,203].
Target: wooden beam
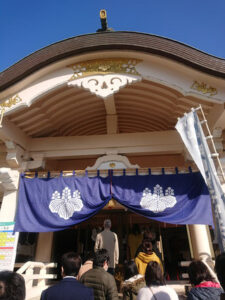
[110,106]
[112,124]
[111,115]
[9,132]
[134,143]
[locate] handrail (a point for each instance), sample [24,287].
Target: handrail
[29,269]
[28,264]
[207,261]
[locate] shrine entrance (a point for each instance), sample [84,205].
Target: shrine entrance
[171,240]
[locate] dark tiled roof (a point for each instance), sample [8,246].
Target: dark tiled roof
[113,41]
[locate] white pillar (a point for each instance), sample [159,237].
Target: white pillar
[200,242]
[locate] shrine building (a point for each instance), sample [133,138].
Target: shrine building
[107,100]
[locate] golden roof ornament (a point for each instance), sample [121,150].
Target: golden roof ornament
[204,88]
[105,66]
[104,23]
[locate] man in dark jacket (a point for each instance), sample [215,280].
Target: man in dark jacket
[69,288]
[99,279]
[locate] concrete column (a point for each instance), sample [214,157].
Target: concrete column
[200,242]
[44,247]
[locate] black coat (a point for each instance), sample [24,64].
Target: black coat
[204,293]
[68,289]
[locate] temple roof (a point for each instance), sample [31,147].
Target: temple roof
[119,40]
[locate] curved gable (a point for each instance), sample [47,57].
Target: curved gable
[112,41]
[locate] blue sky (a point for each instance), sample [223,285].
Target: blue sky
[29,25]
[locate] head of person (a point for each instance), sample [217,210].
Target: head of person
[130,270]
[153,274]
[71,263]
[198,272]
[89,256]
[147,245]
[220,268]
[107,224]
[149,234]
[101,259]
[136,229]
[12,286]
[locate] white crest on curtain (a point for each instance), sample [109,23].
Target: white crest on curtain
[66,205]
[158,201]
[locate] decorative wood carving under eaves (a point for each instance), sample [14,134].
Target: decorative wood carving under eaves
[8,104]
[105,77]
[204,88]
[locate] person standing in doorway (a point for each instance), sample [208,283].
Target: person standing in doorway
[109,241]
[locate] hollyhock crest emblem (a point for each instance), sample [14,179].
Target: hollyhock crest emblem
[66,205]
[158,201]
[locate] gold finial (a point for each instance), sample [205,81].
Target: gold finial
[103,18]
[103,14]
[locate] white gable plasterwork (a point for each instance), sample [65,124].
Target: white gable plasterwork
[105,85]
[106,76]
[112,162]
[38,89]
[188,82]
[185,80]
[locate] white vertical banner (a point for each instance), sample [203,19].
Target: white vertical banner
[190,130]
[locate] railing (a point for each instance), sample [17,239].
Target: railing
[36,274]
[207,261]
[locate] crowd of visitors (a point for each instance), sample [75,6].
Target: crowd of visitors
[143,276]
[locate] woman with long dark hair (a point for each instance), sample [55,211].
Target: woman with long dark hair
[155,288]
[133,281]
[204,285]
[12,286]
